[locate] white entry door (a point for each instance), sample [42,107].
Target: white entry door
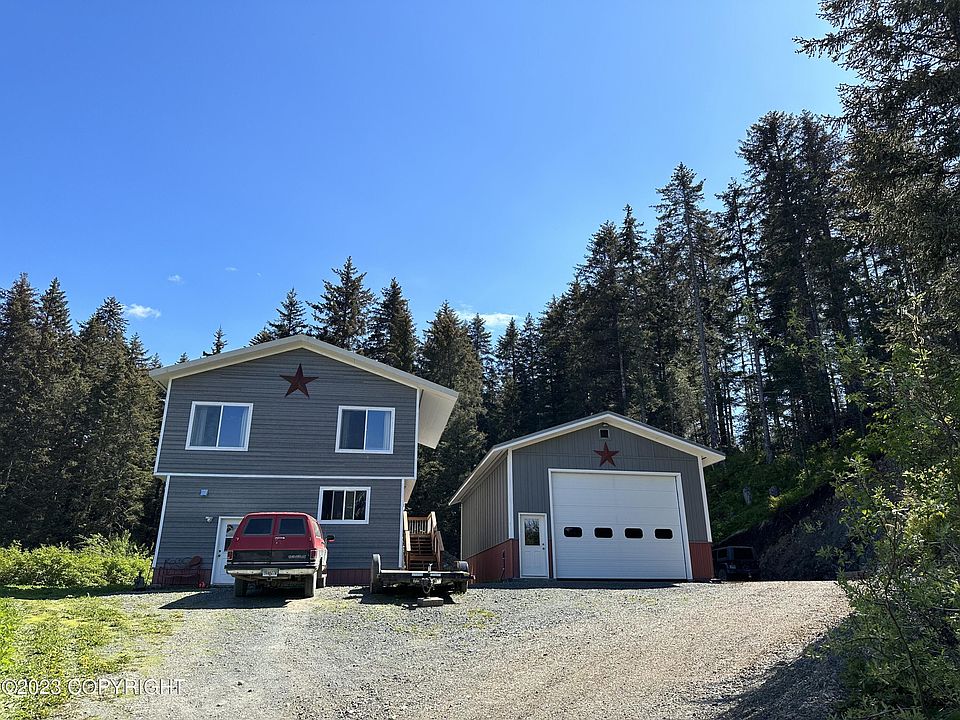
[225,529]
[533,545]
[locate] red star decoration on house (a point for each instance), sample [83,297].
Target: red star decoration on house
[298,381]
[606,455]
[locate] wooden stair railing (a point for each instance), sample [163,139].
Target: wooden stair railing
[422,543]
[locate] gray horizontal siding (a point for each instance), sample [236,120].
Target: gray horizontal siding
[293,434]
[575,450]
[186,533]
[484,511]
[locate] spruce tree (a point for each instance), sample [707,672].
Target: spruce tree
[481,339]
[528,382]
[291,317]
[804,269]
[184,358]
[20,405]
[59,406]
[684,221]
[219,343]
[737,222]
[262,336]
[113,477]
[507,408]
[603,313]
[903,152]
[341,315]
[447,357]
[562,363]
[392,338]
[633,268]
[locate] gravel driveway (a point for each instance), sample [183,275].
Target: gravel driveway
[511,651]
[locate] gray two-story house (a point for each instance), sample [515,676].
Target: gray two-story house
[291,425]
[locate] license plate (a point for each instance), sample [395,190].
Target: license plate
[269,572]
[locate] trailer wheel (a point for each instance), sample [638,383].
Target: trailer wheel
[240,587]
[376,581]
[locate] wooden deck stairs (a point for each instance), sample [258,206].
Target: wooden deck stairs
[422,544]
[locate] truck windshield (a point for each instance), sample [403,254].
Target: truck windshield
[258,526]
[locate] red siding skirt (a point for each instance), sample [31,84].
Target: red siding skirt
[701,560]
[496,563]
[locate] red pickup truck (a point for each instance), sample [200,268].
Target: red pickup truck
[278,549]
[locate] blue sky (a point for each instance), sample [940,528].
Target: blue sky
[199,159]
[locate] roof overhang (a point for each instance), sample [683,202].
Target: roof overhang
[707,456]
[436,401]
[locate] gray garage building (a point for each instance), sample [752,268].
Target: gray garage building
[605,497]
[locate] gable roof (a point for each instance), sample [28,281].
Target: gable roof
[436,401]
[707,455]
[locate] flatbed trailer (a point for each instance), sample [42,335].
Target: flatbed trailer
[442,582]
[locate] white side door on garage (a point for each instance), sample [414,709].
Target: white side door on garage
[617,525]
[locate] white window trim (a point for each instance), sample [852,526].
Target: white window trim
[393,423]
[246,435]
[345,488]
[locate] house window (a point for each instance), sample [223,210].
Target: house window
[604,433]
[362,429]
[663,534]
[344,505]
[572,532]
[633,533]
[603,532]
[219,426]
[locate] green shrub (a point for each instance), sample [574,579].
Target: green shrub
[97,562]
[902,644]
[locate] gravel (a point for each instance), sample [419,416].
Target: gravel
[737,650]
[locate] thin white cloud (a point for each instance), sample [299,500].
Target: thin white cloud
[497,319]
[141,312]
[492,320]
[175,279]
[230,268]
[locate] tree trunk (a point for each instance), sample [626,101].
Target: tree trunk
[710,401]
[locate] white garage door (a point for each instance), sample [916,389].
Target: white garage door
[617,525]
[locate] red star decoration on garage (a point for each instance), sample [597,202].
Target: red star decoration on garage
[606,455]
[298,381]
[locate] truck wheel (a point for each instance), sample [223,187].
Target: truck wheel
[309,585]
[460,588]
[322,577]
[722,574]
[376,581]
[240,588]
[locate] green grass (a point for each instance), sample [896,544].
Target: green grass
[728,511]
[57,639]
[479,618]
